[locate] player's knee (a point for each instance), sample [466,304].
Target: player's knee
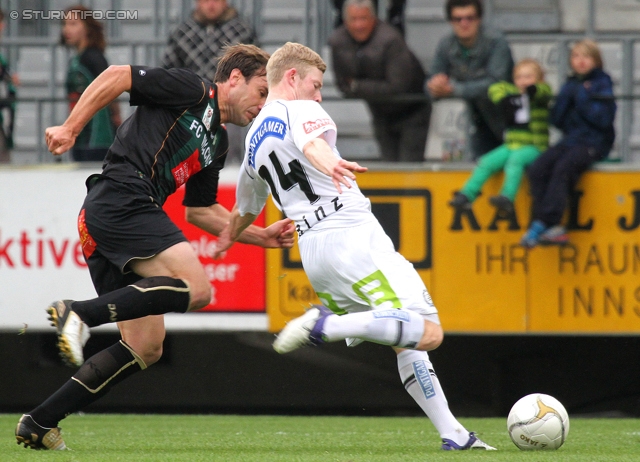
[146,343]
[432,337]
[199,301]
[151,353]
[200,295]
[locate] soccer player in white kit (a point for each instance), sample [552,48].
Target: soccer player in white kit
[371,291]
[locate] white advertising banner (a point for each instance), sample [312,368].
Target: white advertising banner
[41,258]
[40,255]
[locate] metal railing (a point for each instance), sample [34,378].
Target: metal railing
[45,109]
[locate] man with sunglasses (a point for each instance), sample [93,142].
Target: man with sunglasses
[466,63]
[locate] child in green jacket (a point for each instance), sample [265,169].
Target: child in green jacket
[525,108]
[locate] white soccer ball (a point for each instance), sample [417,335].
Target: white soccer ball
[538,421]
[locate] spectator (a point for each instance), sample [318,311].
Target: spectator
[525,112]
[584,111]
[466,63]
[395,13]
[198,43]
[372,61]
[8,83]
[85,34]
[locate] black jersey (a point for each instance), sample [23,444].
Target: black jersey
[174,136]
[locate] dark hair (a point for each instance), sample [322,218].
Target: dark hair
[451,4]
[249,59]
[95,30]
[1,15]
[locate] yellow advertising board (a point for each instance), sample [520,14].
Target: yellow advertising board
[480,278]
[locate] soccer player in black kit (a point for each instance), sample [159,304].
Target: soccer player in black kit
[141,264]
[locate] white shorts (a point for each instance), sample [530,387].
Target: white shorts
[357,269]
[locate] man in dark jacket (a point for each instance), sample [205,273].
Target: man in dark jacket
[372,61]
[395,13]
[199,42]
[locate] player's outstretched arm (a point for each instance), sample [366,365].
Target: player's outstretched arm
[102,91]
[231,232]
[322,157]
[214,219]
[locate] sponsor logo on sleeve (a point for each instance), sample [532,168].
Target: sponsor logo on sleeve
[313,125]
[271,126]
[187,168]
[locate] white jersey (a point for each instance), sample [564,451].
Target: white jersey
[274,163]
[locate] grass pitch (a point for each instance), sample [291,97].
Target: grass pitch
[133,437]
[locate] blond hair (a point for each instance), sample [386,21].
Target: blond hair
[532,63]
[589,48]
[292,55]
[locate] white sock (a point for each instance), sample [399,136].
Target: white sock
[419,379]
[395,327]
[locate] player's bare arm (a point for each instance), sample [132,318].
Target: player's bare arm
[101,92]
[214,218]
[232,231]
[323,158]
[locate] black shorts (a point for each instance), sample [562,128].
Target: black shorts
[120,222]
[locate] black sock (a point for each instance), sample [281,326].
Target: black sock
[92,381]
[155,295]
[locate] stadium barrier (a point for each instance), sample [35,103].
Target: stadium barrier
[588,286]
[480,278]
[558,320]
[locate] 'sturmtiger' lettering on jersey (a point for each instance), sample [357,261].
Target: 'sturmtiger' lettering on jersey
[314,125]
[271,126]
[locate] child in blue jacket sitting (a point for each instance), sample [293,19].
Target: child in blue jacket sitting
[584,111]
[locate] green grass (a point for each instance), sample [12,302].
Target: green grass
[134,437]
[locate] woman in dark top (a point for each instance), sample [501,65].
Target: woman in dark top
[84,33]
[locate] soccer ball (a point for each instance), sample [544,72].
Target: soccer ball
[538,421]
